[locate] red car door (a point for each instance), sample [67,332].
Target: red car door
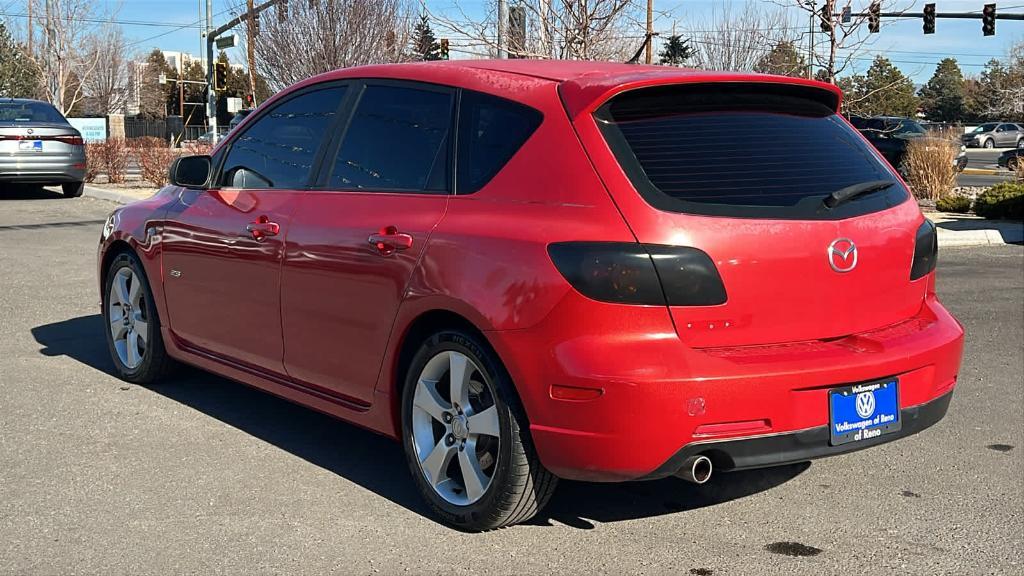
[355,241]
[223,247]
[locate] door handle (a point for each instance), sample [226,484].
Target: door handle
[389,239]
[262,228]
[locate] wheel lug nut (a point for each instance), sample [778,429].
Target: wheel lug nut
[450,440]
[447,417]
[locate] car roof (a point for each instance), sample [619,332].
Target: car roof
[582,84]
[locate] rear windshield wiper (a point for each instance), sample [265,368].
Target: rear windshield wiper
[843,194]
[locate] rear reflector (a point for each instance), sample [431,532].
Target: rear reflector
[926,250]
[574,393]
[629,273]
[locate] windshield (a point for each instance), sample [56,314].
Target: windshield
[985,128]
[27,112]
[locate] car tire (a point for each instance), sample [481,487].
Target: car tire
[136,345]
[73,189]
[989,143]
[439,442]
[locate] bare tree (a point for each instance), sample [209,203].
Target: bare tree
[837,44]
[738,39]
[565,29]
[106,89]
[317,36]
[69,27]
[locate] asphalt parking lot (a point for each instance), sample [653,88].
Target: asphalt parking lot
[203,475]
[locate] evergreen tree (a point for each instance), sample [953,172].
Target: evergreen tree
[882,91]
[942,98]
[784,60]
[424,44]
[19,77]
[676,51]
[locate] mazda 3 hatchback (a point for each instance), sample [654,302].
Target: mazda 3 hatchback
[525,271]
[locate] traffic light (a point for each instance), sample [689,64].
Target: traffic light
[929,18]
[220,74]
[988,20]
[875,17]
[826,15]
[255,24]
[444,48]
[282,11]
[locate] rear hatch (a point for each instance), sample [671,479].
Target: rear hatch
[741,170]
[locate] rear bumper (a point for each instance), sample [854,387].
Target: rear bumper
[42,170]
[801,446]
[653,401]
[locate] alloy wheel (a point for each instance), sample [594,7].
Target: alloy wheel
[455,427]
[129,322]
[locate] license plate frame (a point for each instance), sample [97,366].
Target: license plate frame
[30,146]
[879,399]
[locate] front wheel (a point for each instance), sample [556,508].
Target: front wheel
[131,323]
[466,438]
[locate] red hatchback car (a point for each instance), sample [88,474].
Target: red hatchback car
[531,270]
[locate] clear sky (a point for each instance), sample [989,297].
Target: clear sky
[173,25]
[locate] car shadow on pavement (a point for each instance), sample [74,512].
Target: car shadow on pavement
[375,462]
[27,192]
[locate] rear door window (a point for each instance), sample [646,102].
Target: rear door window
[743,150]
[398,140]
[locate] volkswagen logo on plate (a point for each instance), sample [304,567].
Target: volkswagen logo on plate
[865,404]
[842,255]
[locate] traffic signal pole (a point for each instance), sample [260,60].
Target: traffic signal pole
[211,36]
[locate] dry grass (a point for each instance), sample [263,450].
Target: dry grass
[929,165]
[1020,169]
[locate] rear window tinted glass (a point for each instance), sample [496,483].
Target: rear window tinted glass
[742,150]
[28,112]
[397,141]
[278,149]
[491,130]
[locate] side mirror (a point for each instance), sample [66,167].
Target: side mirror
[190,171]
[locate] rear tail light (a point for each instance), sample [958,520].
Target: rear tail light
[72,140]
[628,273]
[926,250]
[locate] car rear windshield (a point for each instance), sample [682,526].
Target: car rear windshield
[29,112]
[744,150]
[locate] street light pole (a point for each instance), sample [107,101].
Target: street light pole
[211,94]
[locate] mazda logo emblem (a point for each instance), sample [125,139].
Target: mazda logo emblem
[842,255]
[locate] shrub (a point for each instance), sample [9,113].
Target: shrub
[154,156]
[91,163]
[1004,200]
[111,158]
[1020,169]
[956,203]
[929,166]
[196,148]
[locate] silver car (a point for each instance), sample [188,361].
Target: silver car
[38,146]
[995,135]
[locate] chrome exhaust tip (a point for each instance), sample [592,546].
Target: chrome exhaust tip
[696,469]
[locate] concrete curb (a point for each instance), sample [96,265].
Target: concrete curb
[110,195]
[982,172]
[961,230]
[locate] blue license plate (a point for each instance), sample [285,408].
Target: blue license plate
[864,411]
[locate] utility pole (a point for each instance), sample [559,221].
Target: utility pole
[30,28]
[648,56]
[810,39]
[211,94]
[250,50]
[502,28]
[545,28]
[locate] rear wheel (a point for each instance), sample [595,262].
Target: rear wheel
[73,189]
[131,323]
[466,438]
[990,143]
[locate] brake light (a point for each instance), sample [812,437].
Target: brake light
[926,250]
[72,140]
[628,273]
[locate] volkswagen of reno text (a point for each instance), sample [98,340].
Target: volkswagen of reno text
[525,271]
